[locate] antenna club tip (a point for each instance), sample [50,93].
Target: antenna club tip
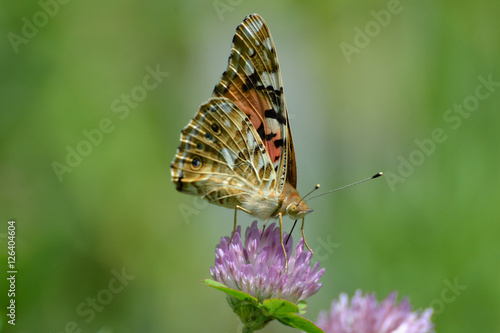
[378,175]
[316,187]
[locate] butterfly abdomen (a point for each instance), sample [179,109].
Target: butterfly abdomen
[262,204]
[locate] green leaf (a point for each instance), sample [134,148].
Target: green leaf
[299,322]
[278,307]
[232,292]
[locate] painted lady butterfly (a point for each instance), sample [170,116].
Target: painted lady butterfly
[237,151]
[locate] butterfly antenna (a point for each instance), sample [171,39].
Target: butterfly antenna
[349,185]
[305,196]
[337,189]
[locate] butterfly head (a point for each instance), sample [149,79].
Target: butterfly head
[295,207]
[297,210]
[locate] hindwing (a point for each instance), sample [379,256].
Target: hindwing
[221,156]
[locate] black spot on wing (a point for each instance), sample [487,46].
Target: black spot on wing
[178,184]
[270,136]
[274,95]
[261,131]
[271,113]
[278,143]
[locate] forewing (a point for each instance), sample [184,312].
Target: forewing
[221,156]
[252,81]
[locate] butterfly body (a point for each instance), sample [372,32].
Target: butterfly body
[237,151]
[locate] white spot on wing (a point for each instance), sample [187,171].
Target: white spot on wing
[251,141]
[226,108]
[229,156]
[268,44]
[249,69]
[261,163]
[266,79]
[275,81]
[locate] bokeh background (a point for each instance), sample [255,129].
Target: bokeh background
[431,222]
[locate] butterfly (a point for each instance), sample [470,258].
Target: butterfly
[237,151]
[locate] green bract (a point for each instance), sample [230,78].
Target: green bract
[255,315]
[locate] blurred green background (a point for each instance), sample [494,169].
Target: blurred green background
[433,220]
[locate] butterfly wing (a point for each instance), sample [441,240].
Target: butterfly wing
[221,156]
[252,81]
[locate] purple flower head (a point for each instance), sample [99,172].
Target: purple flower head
[366,315]
[258,267]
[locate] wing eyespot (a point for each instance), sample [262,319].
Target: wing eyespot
[216,128]
[199,146]
[196,163]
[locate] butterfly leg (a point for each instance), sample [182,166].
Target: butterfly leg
[235,213]
[304,237]
[234,228]
[281,240]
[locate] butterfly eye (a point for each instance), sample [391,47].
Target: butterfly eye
[215,127]
[196,163]
[292,209]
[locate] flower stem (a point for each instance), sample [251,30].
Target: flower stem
[247,329]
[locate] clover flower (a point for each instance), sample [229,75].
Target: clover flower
[258,267]
[254,277]
[365,315]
